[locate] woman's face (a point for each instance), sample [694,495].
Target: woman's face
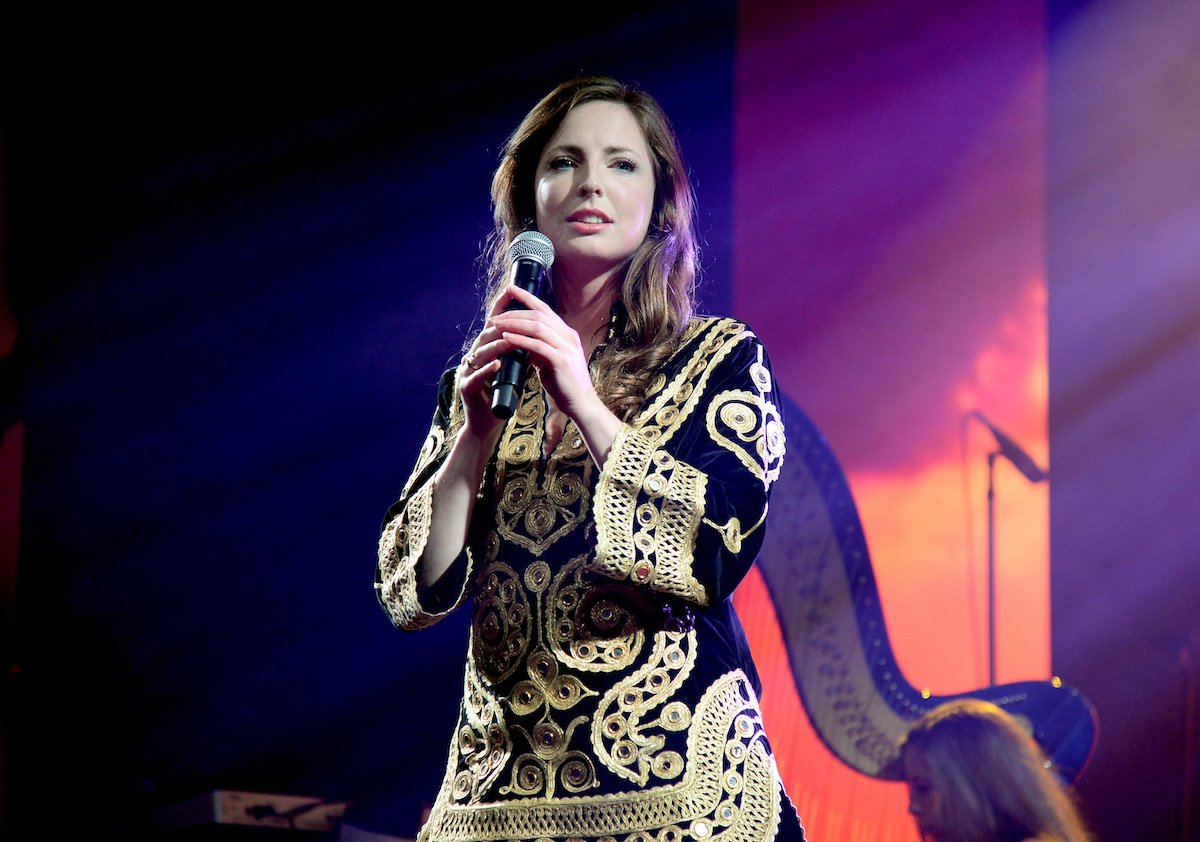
[924,801]
[594,188]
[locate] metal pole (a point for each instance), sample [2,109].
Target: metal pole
[991,564]
[1191,697]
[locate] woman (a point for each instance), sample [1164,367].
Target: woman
[974,775]
[609,691]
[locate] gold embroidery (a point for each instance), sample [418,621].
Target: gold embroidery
[483,742]
[755,424]
[540,772]
[621,740]
[681,395]
[731,533]
[501,628]
[656,384]
[649,506]
[728,786]
[615,649]
[402,542]
[400,546]
[550,763]
[694,328]
[545,688]
[760,374]
[648,510]
[537,576]
[535,511]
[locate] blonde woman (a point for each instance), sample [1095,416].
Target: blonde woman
[975,775]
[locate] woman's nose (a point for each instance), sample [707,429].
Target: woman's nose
[589,184]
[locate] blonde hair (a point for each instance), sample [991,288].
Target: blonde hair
[992,778]
[658,289]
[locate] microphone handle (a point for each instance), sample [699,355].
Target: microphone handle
[529,275]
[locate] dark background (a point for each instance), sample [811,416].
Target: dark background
[238,261]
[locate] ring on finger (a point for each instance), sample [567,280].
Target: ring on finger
[470,361]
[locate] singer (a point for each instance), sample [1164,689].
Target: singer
[597,534]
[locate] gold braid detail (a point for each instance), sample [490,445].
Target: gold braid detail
[731,532]
[534,511]
[400,546]
[636,745]
[484,745]
[648,504]
[730,788]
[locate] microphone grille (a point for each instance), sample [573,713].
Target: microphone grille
[534,245]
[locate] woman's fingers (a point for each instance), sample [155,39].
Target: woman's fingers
[531,301]
[554,347]
[521,323]
[489,345]
[475,389]
[474,370]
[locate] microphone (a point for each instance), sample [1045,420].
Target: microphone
[1010,450]
[531,254]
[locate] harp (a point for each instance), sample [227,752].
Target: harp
[815,564]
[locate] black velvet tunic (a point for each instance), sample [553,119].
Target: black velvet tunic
[609,692]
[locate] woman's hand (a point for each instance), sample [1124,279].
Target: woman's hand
[554,348]
[476,372]
[558,354]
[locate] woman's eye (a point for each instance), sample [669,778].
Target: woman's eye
[561,163]
[625,165]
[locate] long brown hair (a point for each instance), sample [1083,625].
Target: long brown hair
[992,779]
[658,289]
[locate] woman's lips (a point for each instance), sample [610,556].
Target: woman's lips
[581,227]
[588,221]
[588,215]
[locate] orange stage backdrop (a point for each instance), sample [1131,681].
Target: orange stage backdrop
[889,247]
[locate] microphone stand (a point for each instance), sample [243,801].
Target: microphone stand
[1030,470]
[991,565]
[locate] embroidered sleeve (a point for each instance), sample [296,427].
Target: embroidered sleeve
[405,532]
[682,501]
